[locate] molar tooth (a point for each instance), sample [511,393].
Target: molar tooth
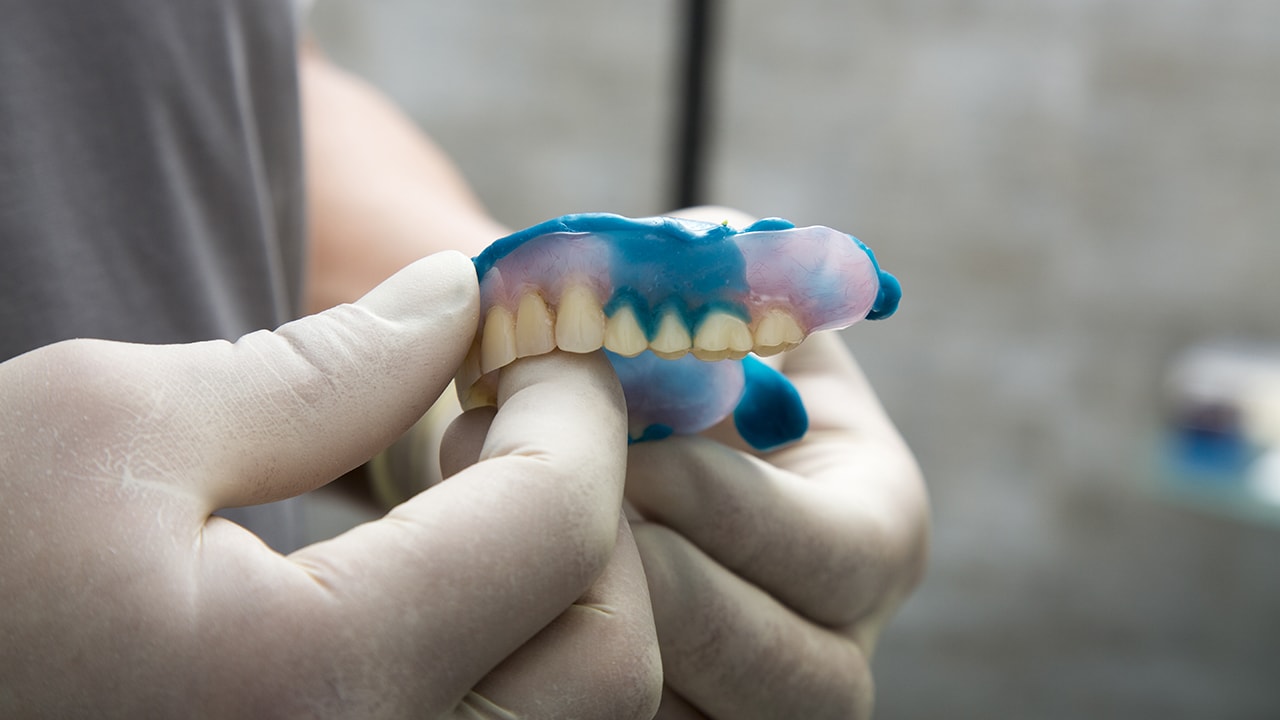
[535,329]
[720,336]
[672,339]
[777,331]
[623,335]
[579,320]
[498,346]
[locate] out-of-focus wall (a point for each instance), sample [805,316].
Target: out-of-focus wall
[1070,191]
[551,107]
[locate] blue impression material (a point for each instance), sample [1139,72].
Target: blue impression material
[890,293]
[656,264]
[771,413]
[682,396]
[686,396]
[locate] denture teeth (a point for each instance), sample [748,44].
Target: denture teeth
[623,335]
[498,345]
[672,339]
[777,332]
[722,336]
[535,329]
[579,320]
[469,371]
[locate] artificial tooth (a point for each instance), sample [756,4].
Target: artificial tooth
[579,320]
[535,329]
[720,336]
[777,331]
[672,339]
[623,335]
[469,371]
[498,345]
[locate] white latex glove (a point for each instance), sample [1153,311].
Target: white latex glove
[771,575]
[120,596]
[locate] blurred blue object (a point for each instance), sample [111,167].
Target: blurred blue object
[1208,440]
[1222,420]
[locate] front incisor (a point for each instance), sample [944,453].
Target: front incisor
[722,336]
[672,339]
[579,320]
[623,334]
[498,344]
[535,328]
[777,331]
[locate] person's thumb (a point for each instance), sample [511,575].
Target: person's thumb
[278,413]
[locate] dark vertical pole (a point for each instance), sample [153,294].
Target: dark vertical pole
[693,101]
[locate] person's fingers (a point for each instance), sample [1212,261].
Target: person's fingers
[299,406]
[827,525]
[600,656]
[814,545]
[730,650]
[217,424]
[674,707]
[464,440]
[270,415]
[460,576]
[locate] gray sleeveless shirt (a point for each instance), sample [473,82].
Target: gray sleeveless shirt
[150,174]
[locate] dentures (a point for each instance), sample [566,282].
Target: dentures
[668,286]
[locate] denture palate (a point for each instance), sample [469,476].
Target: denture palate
[669,288]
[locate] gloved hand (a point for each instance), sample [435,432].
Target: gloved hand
[120,596]
[772,575]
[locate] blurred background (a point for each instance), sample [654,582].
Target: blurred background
[1079,196]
